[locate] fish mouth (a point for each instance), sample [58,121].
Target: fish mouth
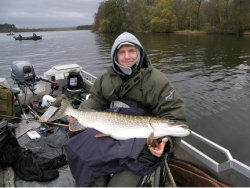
[184,126]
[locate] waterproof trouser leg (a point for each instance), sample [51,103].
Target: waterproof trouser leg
[120,179]
[101,181]
[125,178]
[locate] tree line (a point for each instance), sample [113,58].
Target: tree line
[211,16]
[7,28]
[83,27]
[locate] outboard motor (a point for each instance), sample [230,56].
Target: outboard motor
[23,73]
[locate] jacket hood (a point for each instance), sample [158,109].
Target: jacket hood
[123,38]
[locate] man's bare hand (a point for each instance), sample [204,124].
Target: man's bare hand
[158,151]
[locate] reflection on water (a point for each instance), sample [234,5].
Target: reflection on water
[209,71]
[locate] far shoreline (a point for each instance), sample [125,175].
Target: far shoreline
[187,32]
[194,32]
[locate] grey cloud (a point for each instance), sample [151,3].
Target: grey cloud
[48,13]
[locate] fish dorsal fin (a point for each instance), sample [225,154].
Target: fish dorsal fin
[74,125]
[102,135]
[85,108]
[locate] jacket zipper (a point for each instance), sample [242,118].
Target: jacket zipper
[122,85]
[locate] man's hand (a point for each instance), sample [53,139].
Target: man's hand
[158,151]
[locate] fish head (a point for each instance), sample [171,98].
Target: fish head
[165,127]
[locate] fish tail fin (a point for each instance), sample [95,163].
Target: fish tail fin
[61,113]
[74,125]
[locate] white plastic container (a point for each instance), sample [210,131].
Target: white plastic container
[33,134]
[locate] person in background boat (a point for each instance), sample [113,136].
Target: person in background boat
[133,80]
[34,35]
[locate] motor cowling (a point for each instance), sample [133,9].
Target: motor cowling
[22,71]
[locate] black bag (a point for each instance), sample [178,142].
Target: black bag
[50,164]
[10,149]
[27,168]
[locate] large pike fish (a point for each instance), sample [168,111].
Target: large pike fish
[120,126]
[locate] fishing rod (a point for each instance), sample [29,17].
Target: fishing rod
[39,121]
[35,113]
[170,174]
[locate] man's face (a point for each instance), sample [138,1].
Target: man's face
[126,55]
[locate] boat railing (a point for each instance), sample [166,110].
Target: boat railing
[214,145]
[231,168]
[88,77]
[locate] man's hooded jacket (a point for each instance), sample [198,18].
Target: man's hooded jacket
[147,86]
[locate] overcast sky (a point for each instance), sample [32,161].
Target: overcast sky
[48,13]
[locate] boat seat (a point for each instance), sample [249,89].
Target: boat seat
[16,92]
[73,93]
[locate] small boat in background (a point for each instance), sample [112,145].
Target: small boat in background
[11,33]
[28,38]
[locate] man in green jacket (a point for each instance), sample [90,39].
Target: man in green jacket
[134,81]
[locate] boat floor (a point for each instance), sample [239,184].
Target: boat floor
[65,179]
[10,179]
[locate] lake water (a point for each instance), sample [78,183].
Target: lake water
[209,72]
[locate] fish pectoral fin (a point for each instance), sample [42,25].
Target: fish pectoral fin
[154,144]
[150,139]
[151,142]
[102,135]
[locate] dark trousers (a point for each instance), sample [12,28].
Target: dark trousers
[120,179]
